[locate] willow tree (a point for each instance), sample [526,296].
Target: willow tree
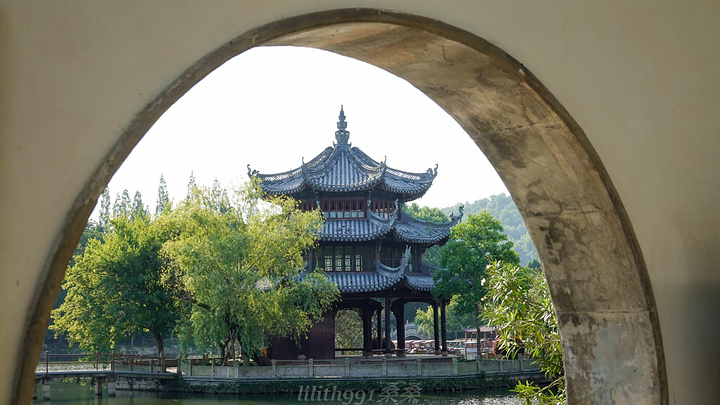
[114,290]
[239,268]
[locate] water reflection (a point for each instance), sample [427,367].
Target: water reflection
[74,393]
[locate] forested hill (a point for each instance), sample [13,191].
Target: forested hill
[502,207]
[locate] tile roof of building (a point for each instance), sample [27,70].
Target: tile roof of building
[372,227]
[344,168]
[383,278]
[356,230]
[414,230]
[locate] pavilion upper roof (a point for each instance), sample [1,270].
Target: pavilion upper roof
[344,168]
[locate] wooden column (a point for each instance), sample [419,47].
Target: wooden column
[400,320]
[436,328]
[379,328]
[443,328]
[388,353]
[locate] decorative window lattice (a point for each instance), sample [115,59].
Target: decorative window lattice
[343,209]
[383,208]
[344,258]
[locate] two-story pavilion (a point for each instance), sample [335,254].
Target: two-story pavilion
[368,247]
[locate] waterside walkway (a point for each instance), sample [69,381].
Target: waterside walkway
[147,374]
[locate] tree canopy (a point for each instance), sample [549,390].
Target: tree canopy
[518,304]
[114,290]
[502,207]
[348,329]
[237,269]
[434,215]
[220,272]
[471,247]
[455,321]
[163,199]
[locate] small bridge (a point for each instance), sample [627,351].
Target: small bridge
[103,369]
[100,378]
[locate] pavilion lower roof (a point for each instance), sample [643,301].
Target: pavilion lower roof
[355,230]
[383,278]
[408,229]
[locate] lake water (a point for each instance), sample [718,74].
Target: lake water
[74,393]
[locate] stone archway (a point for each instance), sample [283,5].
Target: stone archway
[599,284]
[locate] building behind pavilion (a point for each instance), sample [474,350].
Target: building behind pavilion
[368,247]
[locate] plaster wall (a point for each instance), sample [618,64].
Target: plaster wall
[639,78]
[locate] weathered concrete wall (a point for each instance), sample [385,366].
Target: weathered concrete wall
[639,79]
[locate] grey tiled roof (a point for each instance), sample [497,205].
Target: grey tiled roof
[420,282]
[372,227]
[384,277]
[373,282]
[361,282]
[356,230]
[415,230]
[343,168]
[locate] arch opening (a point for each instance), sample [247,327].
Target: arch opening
[598,282]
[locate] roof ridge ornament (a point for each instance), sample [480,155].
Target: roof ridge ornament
[458,218]
[342,135]
[252,173]
[431,172]
[383,166]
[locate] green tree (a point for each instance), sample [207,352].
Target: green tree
[502,207]
[92,231]
[455,321]
[534,264]
[239,271]
[425,321]
[122,206]
[471,247]
[138,208]
[114,290]
[518,303]
[192,185]
[218,197]
[348,329]
[163,198]
[104,217]
[434,215]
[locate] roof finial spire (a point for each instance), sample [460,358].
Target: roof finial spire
[341,134]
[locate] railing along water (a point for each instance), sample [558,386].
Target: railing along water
[95,361]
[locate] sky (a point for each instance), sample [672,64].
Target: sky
[272,106]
